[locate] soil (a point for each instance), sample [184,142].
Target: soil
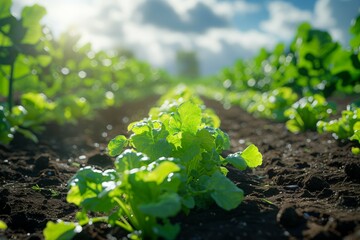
[307,188]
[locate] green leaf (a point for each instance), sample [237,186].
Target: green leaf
[206,139]
[225,193]
[61,230]
[237,161]
[28,134]
[294,126]
[117,144]
[167,231]
[5,8]
[222,141]
[355,150]
[167,205]
[3,225]
[188,201]
[4,83]
[44,60]
[190,115]
[355,30]
[82,217]
[161,172]
[356,136]
[153,143]
[90,188]
[252,156]
[190,148]
[130,159]
[30,19]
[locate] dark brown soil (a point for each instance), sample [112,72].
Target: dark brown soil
[307,188]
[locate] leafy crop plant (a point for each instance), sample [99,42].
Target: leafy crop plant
[170,163]
[306,112]
[346,127]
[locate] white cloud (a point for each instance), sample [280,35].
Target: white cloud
[221,47]
[323,17]
[201,25]
[60,14]
[284,19]
[226,9]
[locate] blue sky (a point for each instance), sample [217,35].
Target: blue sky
[220,31]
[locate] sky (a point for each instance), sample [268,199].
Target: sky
[219,31]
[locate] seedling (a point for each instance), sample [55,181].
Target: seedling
[53,193]
[170,163]
[3,225]
[307,112]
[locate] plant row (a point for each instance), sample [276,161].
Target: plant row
[293,84]
[170,163]
[45,79]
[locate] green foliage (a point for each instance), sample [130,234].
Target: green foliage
[133,195]
[355,30]
[20,40]
[180,128]
[6,131]
[313,64]
[61,230]
[355,150]
[61,80]
[3,225]
[305,113]
[271,104]
[171,162]
[346,127]
[52,192]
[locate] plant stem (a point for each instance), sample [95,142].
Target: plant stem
[11,80]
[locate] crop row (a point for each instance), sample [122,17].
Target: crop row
[293,85]
[170,163]
[60,80]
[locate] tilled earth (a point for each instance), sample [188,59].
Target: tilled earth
[307,188]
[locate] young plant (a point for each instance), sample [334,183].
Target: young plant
[136,195]
[53,193]
[27,118]
[346,127]
[271,104]
[180,131]
[173,164]
[305,113]
[3,225]
[181,134]
[19,39]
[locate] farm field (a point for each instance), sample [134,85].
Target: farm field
[97,144]
[307,187]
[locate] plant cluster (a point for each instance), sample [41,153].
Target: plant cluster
[307,112]
[346,127]
[170,163]
[60,76]
[313,65]
[3,225]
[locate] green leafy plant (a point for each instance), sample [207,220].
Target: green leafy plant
[71,77]
[170,163]
[19,40]
[305,113]
[53,193]
[179,130]
[346,127]
[3,225]
[27,118]
[313,64]
[271,104]
[6,131]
